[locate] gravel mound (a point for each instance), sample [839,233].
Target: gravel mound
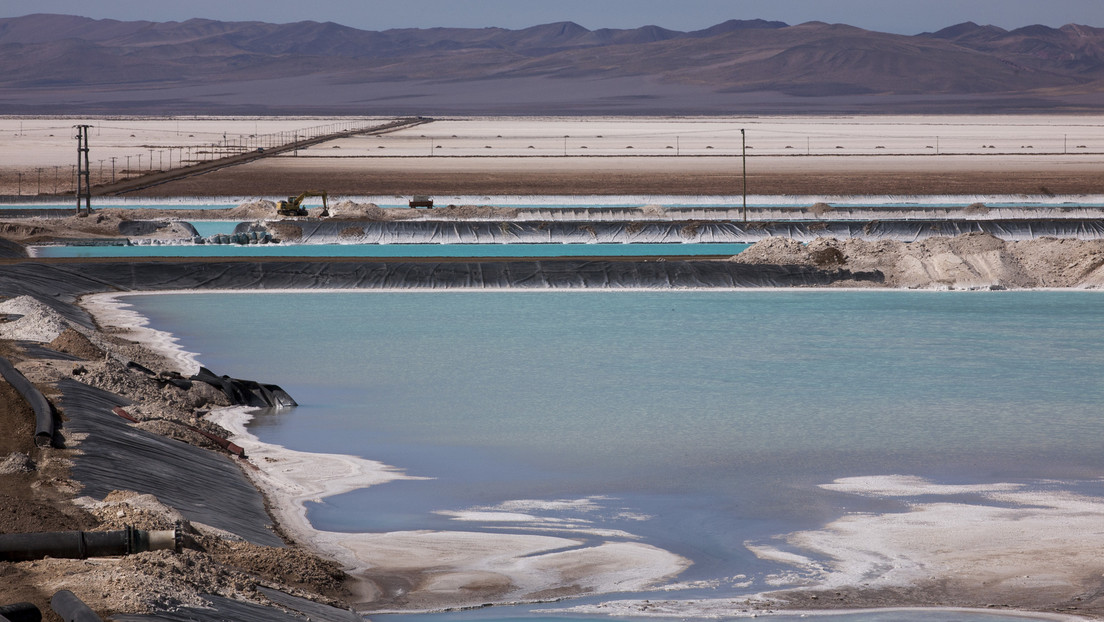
[474,211]
[75,343]
[38,322]
[970,261]
[120,508]
[262,208]
[16,462]
[366,211]
[209,564]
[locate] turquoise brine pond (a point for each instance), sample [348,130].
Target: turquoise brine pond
[698,421]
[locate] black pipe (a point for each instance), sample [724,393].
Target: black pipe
[16,547]
[44,414]
[72,609]
[20,612]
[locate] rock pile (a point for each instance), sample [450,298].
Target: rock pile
[970,261]
[34,320]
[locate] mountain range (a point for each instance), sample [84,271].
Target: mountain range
[65,64]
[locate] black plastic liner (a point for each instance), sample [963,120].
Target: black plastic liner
[59,284]
[674,232]
[11,250]
[246,392]
[36,350]
[203,485]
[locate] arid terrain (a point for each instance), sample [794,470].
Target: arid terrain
[901,158]
[799,155]
[828,175]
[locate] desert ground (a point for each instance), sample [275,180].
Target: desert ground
[495,156]
[973,156]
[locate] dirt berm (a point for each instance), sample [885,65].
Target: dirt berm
[971,261]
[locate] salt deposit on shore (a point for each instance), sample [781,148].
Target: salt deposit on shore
[115,315]
[1007,543]
[757,608]
[999,546]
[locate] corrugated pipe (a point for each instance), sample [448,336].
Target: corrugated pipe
[72,609]
[20,612]
[16,547]
[44,414]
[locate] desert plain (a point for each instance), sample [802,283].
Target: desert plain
[845,155]
[989,158]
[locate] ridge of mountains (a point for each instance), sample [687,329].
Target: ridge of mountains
[67,64]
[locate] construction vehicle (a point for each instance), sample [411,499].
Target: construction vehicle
[292,207]
[420,200]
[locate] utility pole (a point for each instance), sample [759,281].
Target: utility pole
[113,169]
[743,143]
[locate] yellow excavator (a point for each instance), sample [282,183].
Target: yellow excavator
[292,207]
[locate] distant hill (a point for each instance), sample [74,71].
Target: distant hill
[66,64]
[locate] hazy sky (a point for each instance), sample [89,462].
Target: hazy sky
[899,16]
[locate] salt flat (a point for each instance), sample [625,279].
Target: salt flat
[542,155]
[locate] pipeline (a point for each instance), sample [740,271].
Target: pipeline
[224,443]
[17,547]
[72,609]
[20,612]
[44,414]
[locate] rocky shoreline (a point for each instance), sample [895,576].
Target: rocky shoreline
[134,449]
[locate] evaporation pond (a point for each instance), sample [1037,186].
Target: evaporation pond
[695,421]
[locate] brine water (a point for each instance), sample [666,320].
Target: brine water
[695,421]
